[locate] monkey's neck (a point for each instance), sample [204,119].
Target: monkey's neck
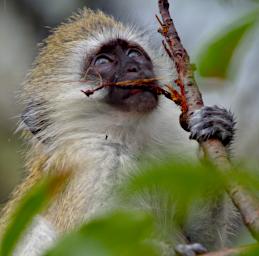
[103,158]
[101,163]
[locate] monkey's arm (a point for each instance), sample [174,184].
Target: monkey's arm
[206,123]
[38,238]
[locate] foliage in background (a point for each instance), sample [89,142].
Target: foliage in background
[216,56]
[118,233]
[34,202]
[129,232]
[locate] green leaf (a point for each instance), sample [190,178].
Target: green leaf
[35,201]
[183,179]
[174,183]
[119,233]
[216,56]
[250,250]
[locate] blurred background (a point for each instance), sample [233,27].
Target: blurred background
[24,23]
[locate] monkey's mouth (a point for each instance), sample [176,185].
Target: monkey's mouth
[133,95]
[132,99]
[131,92]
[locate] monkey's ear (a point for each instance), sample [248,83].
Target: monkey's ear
[33,117]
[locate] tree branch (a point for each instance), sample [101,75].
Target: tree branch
[249,249]
[214,150]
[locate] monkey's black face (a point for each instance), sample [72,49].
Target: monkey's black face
[120,61]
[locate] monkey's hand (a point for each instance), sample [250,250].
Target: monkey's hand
[190,249]
[212,122]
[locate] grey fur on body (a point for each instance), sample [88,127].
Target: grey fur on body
[105,144]
[116,158]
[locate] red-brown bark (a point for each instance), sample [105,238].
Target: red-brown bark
[245,201]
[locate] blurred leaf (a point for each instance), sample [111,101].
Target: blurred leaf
[38,198]
[215,57]
[188,180]
[246,178]
[250,250]
[119,233]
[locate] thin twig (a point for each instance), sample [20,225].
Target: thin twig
[142,84]
[245,201]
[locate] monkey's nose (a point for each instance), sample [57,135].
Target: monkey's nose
[132,68]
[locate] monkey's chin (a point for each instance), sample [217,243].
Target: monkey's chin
[143,101]
[132,100]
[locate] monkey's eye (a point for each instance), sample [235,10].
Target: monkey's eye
[101,60]
[132,53]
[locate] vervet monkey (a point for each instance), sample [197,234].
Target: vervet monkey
[103,137]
